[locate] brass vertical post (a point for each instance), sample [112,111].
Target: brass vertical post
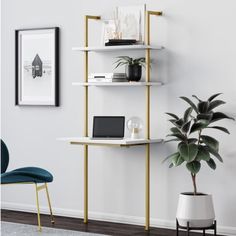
[147,161]
[85,183]
[86,124]
[86,117]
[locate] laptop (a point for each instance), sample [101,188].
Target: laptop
[108,127]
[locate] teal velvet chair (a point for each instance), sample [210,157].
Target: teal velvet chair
[26,175]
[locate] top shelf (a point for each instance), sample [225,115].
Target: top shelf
[116,48]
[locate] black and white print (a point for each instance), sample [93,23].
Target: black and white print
[37,67]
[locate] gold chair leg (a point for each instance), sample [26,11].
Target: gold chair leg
[49,204]
[37,203]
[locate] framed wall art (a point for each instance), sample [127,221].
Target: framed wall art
[37,66]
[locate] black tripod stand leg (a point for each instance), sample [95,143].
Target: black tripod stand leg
[215,228]
[187,228]
[204,232]
[177,228]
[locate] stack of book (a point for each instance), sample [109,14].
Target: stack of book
[107,77]
[120,42]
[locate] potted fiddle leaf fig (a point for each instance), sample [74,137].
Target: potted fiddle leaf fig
[133,66]
[194,149]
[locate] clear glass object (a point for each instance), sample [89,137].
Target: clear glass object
[134,125]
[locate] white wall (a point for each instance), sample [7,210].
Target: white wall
[199,37]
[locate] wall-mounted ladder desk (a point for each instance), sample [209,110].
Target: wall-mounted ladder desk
[85,141]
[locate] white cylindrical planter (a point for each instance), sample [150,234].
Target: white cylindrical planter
[198,210]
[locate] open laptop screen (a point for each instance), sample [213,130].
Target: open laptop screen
[108,126]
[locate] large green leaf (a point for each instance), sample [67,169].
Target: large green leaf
[212,164]
[196,127]
[202,154]
[219,128]
[173,115]
[219,116]
[199,125]
[175,130]
[192,140]
[190,103]
[215,104]
[179,122]
[214,153]
[213,96]
[187,113]
[194,167]
[188,151]
[176,154]
[203,122]
[177,160]
[205,116]
[186,126]
[181,143]
[203,107]
[210,142]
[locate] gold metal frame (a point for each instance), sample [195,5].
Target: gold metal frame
[86,19]
[37,189]
[147,162]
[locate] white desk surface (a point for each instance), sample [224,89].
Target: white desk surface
[118,142]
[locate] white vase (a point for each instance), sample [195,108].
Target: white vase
[198,210]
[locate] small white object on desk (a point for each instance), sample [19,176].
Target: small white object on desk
[134,125]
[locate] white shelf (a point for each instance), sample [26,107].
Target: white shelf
[109,142]
[102,84]
[116,48]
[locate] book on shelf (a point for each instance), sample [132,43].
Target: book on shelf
[102,80]
[120,42]
[107,77]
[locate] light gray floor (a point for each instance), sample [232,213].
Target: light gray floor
[13,229]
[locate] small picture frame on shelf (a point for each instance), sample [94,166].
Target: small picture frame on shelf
[37,66]
[132,22]
[109,31]
[126,27]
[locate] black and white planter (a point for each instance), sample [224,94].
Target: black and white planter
[198,210]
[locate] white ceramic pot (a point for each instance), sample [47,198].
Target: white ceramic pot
[198,210]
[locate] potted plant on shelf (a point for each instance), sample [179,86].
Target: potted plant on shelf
[194,149]
[133,66]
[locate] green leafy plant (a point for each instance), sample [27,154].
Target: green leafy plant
[194,147]
[125,60]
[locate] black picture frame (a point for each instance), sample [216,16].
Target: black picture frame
[19,98]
